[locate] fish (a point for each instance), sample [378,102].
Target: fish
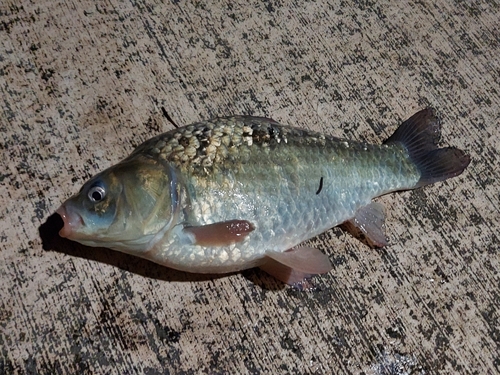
[233,193]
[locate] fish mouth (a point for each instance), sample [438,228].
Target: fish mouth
[72,221]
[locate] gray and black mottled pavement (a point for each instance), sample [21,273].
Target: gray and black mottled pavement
[84,82]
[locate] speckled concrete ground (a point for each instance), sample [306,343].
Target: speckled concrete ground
[83,82]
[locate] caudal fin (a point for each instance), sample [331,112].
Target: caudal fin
[420,135]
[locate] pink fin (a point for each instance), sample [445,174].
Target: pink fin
[294,265]
[221,234]
[369,220]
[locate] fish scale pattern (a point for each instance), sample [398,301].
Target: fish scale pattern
[247,168]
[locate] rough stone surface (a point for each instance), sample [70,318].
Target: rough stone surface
[83,82]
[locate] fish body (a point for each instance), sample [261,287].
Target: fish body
[239,192]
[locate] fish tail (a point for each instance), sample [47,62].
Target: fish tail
[420,135]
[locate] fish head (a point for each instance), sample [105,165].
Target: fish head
[127,207]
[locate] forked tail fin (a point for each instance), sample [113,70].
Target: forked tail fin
[420,134]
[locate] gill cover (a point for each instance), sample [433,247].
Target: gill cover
[128,207]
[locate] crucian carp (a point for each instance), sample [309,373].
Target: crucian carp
[233,193]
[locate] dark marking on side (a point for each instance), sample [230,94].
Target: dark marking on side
[167,116]
[320,186]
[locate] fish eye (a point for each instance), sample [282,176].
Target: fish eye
[96,193]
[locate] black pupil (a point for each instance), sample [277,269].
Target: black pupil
[96,195]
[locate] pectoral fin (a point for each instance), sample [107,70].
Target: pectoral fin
[369,221]
[220,234]
[294,265]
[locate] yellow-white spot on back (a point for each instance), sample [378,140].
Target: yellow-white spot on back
[190,151]
[160,144]
[211,149]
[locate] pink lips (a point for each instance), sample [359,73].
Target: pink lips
[72,221]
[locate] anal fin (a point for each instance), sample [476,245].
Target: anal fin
[369,221]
